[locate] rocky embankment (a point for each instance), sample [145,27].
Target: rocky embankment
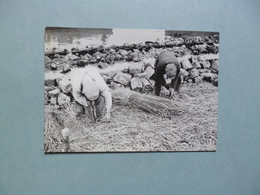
[130,65]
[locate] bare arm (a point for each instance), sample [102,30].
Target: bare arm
[108,99]
[174,86]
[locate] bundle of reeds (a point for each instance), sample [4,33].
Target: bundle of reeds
[149,103]
[52,138]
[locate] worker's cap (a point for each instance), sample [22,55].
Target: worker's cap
[171,71]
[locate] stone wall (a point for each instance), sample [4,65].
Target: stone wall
[130,65]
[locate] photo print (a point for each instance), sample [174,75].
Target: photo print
[130,90]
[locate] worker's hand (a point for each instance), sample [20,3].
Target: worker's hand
[172,93]
[107,117]
[167,86]
[104,119]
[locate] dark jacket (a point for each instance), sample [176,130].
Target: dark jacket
[161,62]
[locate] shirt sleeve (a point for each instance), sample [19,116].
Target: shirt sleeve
[108,99]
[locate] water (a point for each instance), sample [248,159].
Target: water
[67,38]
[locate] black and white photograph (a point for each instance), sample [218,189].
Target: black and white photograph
[130,90]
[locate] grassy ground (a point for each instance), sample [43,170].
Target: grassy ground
[131,129]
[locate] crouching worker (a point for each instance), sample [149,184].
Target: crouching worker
[90,88]
[167,66]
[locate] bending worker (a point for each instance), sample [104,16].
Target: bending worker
[89,86]
[166,66]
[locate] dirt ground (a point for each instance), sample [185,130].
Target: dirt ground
[133,130]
